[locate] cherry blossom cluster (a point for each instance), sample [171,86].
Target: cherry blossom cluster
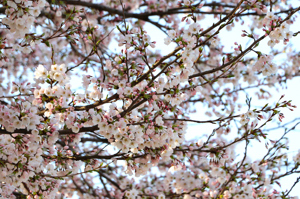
[245,118]
[265,65]
[21,157]
[276,32]
[21,15]
[206,181]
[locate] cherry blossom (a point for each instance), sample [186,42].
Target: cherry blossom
[93,105]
